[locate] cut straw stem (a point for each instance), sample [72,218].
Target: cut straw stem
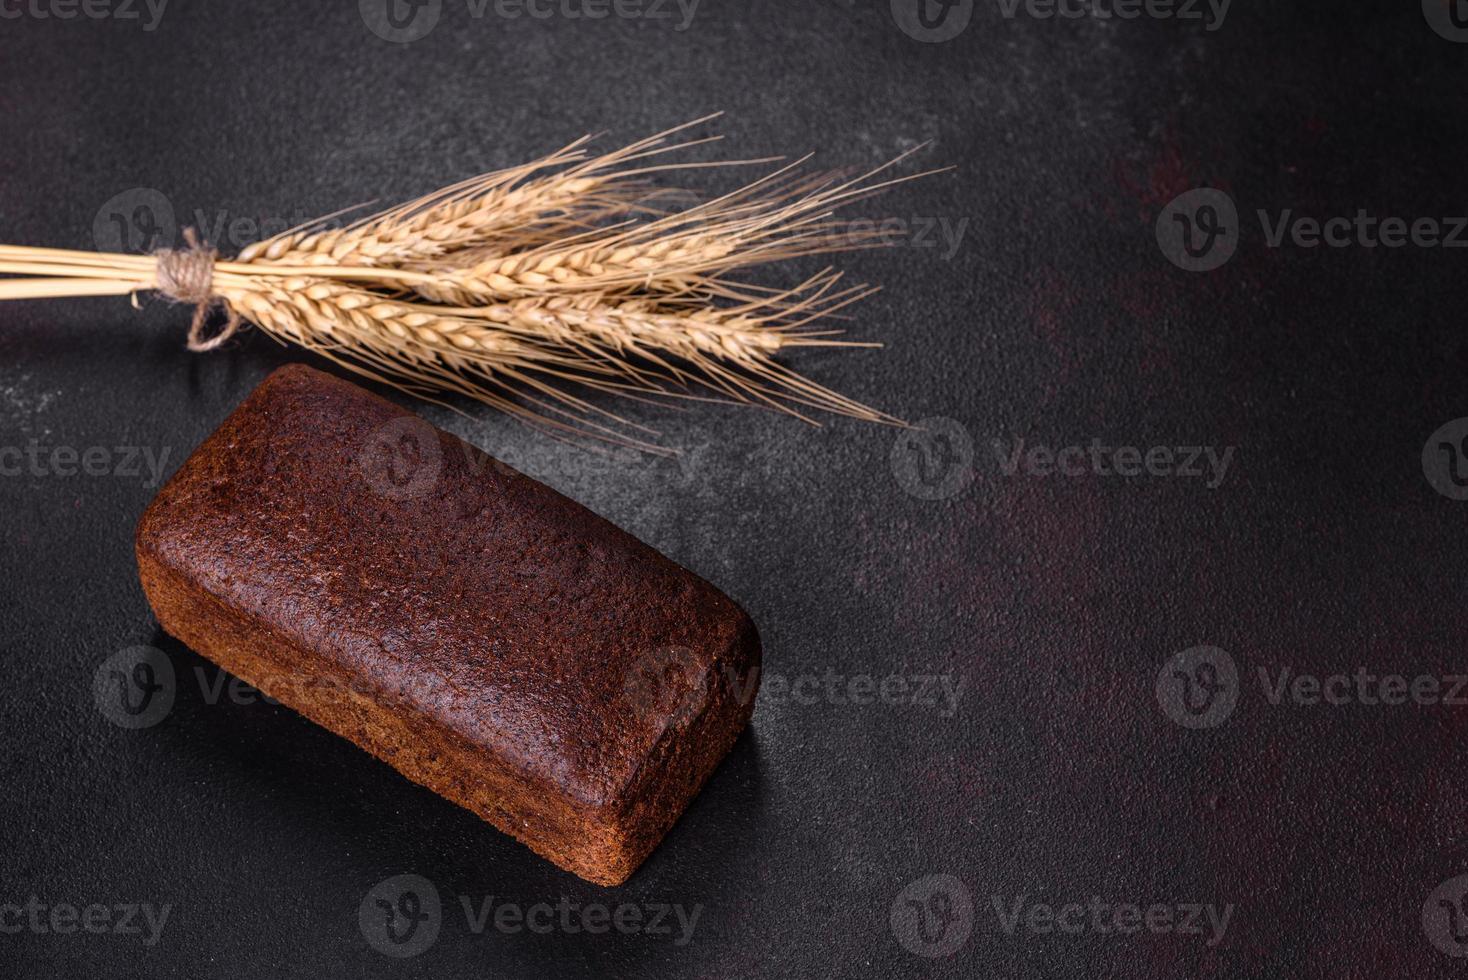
[59,288]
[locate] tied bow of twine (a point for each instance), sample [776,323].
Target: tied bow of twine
[186,275]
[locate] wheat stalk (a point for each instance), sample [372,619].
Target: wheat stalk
[522,286]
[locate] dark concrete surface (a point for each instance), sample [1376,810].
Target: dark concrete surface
[1096,788]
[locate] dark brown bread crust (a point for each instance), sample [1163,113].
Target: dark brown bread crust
[484,635]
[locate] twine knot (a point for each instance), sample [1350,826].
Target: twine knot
[186,275]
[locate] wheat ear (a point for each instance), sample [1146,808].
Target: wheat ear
[525,286]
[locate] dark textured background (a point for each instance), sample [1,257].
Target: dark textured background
[1054,600]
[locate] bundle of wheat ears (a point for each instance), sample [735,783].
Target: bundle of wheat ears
[525,287]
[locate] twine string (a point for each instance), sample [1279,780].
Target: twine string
[186,275]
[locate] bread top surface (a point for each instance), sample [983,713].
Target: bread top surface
[474,595]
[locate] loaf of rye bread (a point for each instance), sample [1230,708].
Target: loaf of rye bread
[487,637]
